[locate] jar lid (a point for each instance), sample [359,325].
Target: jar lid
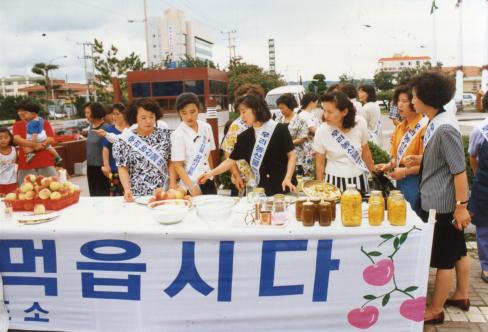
[258,190]
[376,192]
[308,203]
[279,196]
[351,186]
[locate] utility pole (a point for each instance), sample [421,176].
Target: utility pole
[231,46]
[458,97]
[484,73]
[146,33]
[85,65]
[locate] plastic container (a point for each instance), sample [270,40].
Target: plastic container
[49,204]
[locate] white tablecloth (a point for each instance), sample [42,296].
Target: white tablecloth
[201,276]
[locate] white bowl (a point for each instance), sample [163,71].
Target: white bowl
[168,213]
[215,208]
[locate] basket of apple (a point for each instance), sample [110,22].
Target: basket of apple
[161,195]
[46,191]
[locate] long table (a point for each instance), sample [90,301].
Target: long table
[106,265]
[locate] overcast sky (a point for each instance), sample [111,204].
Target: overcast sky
[311,36]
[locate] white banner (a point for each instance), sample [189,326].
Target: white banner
[119,281]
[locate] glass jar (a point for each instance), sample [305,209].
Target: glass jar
[398,210]
[299,184]
[308,214]
[298,208]
[388,201]
[265,213]
[377,196]
[376,213]
[332,208]
[351,201]
[254,194]
[325,213]
[279,216]
[315,201]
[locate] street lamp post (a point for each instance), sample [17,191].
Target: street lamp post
[51,81]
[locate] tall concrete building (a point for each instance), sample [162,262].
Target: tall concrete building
[11,85]
[172,36]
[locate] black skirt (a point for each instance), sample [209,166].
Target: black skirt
[448,245]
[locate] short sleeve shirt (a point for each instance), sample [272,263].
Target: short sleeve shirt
[185,143]
[338,163]
[144,176]
[106,144]
[476,139]
[42,159]
[416,147]
[443,158]
[35,126]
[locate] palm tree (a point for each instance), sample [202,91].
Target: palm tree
[43,69]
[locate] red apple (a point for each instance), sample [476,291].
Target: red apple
[11,196]
[22,196]
[45,194]
[171,194]
[30,195]
[159,194]
[39,179]
[46,182]
[63,191]
[363,318]
[55,195]
[39,209]
[26,186]
[55,186]
[30,178]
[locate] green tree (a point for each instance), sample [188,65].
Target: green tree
[8,105]
[241,72]
[346,79]
[318,84]
[43,70]
[108,65]
[383,80]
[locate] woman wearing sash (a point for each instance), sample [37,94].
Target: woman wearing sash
[267,147]
[443,187]
[478,202]
[238,126]
[406,141]
[299,131]
[371,111]
[142,154]
[341,145]
[191,144]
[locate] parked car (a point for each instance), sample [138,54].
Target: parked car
[469,99]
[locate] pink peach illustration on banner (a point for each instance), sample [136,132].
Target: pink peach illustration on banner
[363,318]
[413,309]
[379,274]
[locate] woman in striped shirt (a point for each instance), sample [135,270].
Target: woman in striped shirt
[341,144]
[443,187]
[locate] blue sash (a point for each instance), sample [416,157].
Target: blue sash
[351,151]
[145,150]
[260,147]
[408,138]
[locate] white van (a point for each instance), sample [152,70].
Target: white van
[297,90]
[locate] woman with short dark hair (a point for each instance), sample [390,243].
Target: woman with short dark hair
[341,145]
[267,146]
[191,145]
[109,167]
[98,184]
[406,141]
[444,188]
[142,154]
[371,111]
[298,129]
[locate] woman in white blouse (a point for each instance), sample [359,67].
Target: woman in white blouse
[191,144]
[341,144]
[371,111]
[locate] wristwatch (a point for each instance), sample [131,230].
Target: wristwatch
[461,202]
